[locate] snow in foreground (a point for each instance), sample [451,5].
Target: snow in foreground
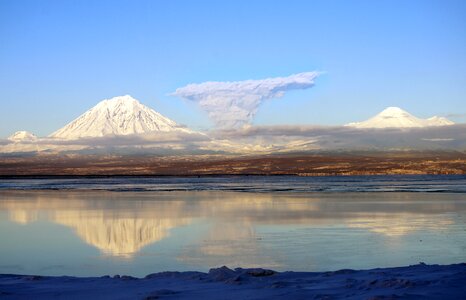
[413,282]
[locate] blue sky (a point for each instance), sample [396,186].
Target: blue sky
[59,58]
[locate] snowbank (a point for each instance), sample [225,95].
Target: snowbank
[418,281]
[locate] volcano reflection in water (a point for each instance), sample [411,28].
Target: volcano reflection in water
[278,230]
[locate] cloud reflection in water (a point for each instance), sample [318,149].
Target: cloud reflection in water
[120,224]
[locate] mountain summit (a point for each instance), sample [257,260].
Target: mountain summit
[121,115]
[395,117]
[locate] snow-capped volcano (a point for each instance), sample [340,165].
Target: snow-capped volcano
[121,115]
[22,136]
[439,121]
[398,118]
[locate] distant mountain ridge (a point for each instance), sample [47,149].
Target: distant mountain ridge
[22,136]
[122,125]
[121,115]
[395,117]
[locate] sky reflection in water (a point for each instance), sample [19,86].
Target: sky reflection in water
[102,232]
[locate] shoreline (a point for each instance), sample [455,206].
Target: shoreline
[212,175]
[409,282]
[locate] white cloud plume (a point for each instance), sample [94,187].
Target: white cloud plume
[232,104]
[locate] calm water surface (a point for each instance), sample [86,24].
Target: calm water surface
[97,232]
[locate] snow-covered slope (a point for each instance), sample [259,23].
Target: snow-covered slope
[439,121]
[117,116]
[22,136]
[398,118]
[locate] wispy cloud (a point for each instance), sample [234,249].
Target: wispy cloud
[232,104]
[347,138]
[172,142]
[257,140]
[456,115]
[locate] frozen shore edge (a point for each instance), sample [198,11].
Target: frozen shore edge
[410,282]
